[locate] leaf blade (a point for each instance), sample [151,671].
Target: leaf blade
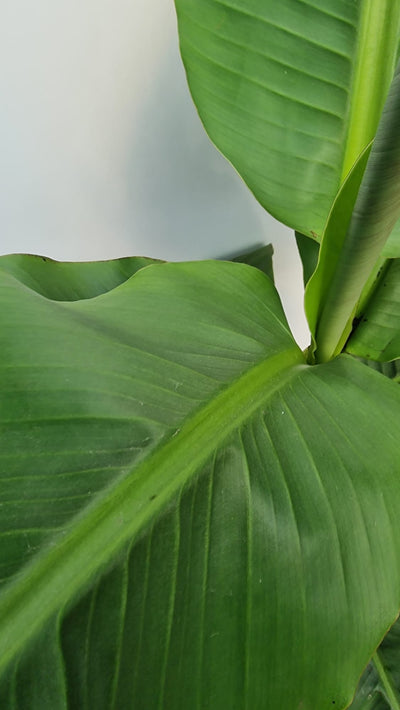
[354,240]
[189,611]
[260,258]
[71,281]
[290,92]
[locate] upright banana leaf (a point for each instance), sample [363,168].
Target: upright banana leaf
[319,285]
[191,517]
[351,249]
[291,92]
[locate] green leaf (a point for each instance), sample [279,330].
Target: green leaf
[309,253]
[68,280]
[389,369]
[291,91]
[391,250]
[379,687]
[333,242]
[191,516]
[376,335]
[260,258]
[351,252]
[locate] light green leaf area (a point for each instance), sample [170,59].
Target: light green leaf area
[191,517]
[290,91]
[377,336]
[379,687]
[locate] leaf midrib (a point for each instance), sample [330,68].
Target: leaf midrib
[118,514]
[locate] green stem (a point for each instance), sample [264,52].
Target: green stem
[390,691]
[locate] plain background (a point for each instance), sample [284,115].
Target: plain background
[102,152]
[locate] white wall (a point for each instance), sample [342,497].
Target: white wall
[102,152]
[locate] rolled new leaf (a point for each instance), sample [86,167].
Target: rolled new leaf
[375,213]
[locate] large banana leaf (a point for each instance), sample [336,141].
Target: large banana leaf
[351,249]
[291,92]
[191,517]
[379,686]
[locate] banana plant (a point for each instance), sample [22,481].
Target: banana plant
[194,513]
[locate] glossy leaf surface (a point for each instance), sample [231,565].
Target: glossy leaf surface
[290,91]
[190,515]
